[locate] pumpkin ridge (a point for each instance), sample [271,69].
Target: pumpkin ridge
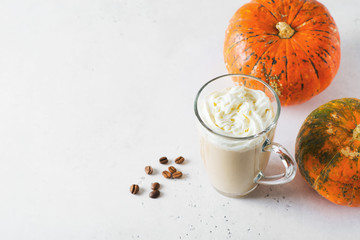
[301,82]
[309,30]
[286,65]
[236,43]
[266,51]
[326,39]
[227,52]
[311,62]
[298,12]
[325,168]
[351,111]
[353,190]
[328,55]
[270,70]
[346,105]
[305,22]
[317,30]
[344,129]
[267,9]
[236,23]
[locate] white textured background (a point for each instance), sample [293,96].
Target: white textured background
[92,91]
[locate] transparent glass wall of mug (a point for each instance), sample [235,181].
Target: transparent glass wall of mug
[235,165]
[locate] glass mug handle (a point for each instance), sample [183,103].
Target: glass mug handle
[286,158]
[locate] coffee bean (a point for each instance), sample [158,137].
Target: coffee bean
[177,174]
[163,160]
[155,186]
[172,169]
[134,189]
[154,194]
[148,170]
[166,174]
[179,160]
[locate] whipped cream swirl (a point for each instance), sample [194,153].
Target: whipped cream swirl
[237,111]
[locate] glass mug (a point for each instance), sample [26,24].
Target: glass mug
[235,165]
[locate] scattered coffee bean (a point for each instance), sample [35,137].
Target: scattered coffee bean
[155,186]
[154,194]
[163,160]
[166,174]
[179,160]
[148,170]
[177,174]
[134,189]
[172,169]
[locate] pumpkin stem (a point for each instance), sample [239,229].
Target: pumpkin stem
[356,133]
[285,31]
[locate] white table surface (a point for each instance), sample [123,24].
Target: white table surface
[93,91]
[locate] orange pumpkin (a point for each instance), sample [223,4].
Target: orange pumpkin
[328,151]
[294,45]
